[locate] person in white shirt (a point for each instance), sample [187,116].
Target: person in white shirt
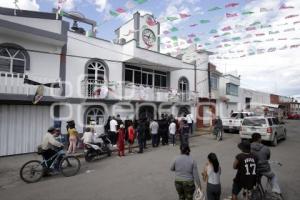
[49,144]
[172,131]
[88,136]
[154,133]
[211,175]
[189,120]
[113,130]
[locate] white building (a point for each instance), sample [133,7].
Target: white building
[96,78]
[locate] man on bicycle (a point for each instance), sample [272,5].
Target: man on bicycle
[218,127]
[245,164]
[49,144]
[263,154]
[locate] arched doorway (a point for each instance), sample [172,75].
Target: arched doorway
[146,112]
[94,114]
[183,88]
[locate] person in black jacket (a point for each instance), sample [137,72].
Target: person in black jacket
[141,135]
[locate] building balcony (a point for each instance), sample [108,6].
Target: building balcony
[132,92]
[14,83]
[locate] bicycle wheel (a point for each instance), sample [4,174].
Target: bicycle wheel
[32,171]
[69,166]
[257,194]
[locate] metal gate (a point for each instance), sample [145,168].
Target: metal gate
[22,128]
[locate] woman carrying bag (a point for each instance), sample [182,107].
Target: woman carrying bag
[186,174]
[211,175]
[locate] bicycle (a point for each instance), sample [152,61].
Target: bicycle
[33,170]
[261,193]
[267,192]
[218,132]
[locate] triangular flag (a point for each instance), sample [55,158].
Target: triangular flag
[283,6]
[204,21]
[120,10]
[174,29]
[140,1]
[214,9]
[172,18]
[229,15]
[184,15]
[113,13]
[231,5]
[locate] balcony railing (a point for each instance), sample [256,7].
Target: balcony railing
[13,83]
[128,91]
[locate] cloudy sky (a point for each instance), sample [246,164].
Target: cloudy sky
[258,39]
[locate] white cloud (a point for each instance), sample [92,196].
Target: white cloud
[101,5]
[22,4]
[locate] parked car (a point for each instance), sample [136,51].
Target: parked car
[293,116]
[235,121]
[269,127]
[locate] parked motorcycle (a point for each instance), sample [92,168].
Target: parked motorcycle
[95,150]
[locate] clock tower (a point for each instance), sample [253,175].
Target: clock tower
[144,29]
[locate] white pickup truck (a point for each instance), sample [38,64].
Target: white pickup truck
[234,123]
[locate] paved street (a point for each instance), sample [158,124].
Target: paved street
[147,176]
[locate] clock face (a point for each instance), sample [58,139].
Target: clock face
[148,37]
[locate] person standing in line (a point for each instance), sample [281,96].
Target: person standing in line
[185,132]
[189,120]
[73,135]
[165,130]
[121,141]
[141,135]
[211,176]
[107,125]
[154,133]
[172,131]
[113,131]
[131,136]
[186,174]
[160,130]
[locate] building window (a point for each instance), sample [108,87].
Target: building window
[96,71]
[94,114]
[13,59]
[232,89]
[183,85]
[146,77]
[214,82]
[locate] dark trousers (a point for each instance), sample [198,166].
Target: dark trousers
[191,128]
[184,139]
[47,154]
[154,140]
[213,191]
[145,142]
[165,139]
[172,138]
[113,137]
[185,189]
[141,144]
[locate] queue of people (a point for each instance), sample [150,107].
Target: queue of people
[250,165]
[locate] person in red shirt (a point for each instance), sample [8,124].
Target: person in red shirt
[131,136]
[121,140]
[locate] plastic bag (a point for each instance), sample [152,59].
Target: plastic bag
[199,195]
